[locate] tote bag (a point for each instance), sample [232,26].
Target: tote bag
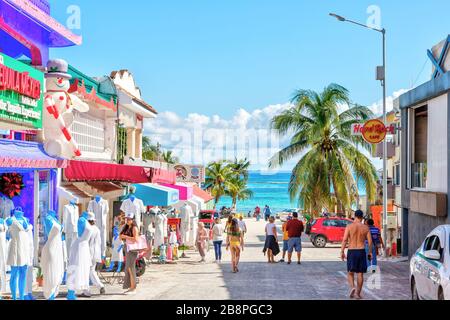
[139,245]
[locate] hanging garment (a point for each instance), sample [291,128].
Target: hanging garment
[19,245]
[80,262]
[134,209]
[166,230]
[159,230]
[6,207]
[173,238]
[193,231]
[117,256]
[96,256]
[70,221]
[185,215]
[52,262]
[30,276]
[101,210]
[3,255]
[148,219]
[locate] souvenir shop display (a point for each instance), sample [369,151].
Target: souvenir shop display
[148,220]
[186,215]
[18,253]
[52,259]
[95,254]
[159,228]
[117,251]
[134,207]
[79,267]
[71,215]
[6,207]
[100,208]
[30,265]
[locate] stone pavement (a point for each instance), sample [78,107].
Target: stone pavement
[320,277]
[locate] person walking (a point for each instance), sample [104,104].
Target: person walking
[295,229]
[355,236]
[218,239]
[130,233]
[267,213]
[258,213]
[271,246]
[242,225]
[285,239]
[377,242]
[229,222]
[202,237]
[235,243]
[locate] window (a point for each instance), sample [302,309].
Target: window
[331,223]
[397,175]
[434,243]
[344,223]
[419,147]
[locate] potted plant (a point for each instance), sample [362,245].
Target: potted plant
[40,278]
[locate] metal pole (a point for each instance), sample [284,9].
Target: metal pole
[385,196]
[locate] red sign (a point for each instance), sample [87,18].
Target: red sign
[19,82]
[374,131]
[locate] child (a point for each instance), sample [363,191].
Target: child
[285,239]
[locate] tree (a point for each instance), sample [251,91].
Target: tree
[217,173]
[237,189]
[168,157]
[329,154]
[240,167]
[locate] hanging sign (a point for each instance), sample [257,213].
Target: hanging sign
[373,131]
[21,96]
[190,173]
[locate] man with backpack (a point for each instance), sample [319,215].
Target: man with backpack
[377,244]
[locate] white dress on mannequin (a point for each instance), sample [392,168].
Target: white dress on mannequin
[101,210]
[185,215]
[3,254]
[194,227]
[6,206]
[70,220]
[135,209]
[52,262]
[30,277]
[19,246]
[159,229]
[80,262]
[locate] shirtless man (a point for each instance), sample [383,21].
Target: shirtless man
[355,235]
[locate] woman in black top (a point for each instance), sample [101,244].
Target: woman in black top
[130,233]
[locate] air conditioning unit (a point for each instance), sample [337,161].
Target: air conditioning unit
[392,222]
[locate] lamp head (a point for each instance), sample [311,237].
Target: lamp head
[340,18]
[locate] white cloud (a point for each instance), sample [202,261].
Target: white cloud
[377,107]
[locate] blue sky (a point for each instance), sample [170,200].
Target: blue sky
[216,57]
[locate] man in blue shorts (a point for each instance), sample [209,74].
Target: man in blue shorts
[295,229]
[355,236]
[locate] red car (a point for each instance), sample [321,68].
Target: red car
[327,230]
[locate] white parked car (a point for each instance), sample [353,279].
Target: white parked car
[430,267]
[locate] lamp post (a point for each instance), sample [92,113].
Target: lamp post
[381,75]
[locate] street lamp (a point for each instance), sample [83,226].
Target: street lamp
[381,75]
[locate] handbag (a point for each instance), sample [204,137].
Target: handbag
[139,245]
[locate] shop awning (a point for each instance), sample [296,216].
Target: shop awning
[31,155]
[84,191]
[163,176]
[81,171]
[155,195]
[202,194]
[186,192]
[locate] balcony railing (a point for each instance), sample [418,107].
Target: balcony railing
[419,175]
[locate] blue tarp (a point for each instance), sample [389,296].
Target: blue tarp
[155,195]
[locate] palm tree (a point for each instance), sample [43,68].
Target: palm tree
[168,157]
[240,167]
[237,189]
[330,156]
[150,151]
[217,173]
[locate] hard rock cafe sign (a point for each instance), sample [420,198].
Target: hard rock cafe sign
[373,131]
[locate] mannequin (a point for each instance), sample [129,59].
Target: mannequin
[185,215]
[18,255]
[159,229]
[173,243]
[3,252]
[100,208]
[133,207]
[70,221]
[117,251]
[52,260]
[6,207]
[30,266]
[194,226]
[80,259]
[148,221]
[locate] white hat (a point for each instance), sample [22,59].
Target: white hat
[91,216]
[129,215]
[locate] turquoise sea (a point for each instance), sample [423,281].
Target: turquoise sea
[270,189]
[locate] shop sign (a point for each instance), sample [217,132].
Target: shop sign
[190,173]
[21,98]
[373,131]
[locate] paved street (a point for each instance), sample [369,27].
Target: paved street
[320,277]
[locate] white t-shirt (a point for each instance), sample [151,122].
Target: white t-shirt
[218,232]
[269,229]
[242,226]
